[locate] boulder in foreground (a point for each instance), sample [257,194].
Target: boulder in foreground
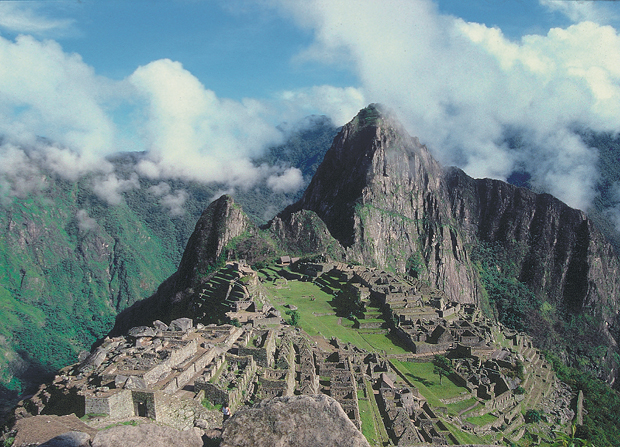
[291,422]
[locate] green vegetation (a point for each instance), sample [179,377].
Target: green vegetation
[511,300]
[533,416]
[463,437]
[423,377]
[209,406]
[373,427]
[442,366]
[570,439]
[132,423]
[69,261]
[602,404]
[317,315]
[294,314]
[461,406]
[415,265]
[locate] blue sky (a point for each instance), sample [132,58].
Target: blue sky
[201,85]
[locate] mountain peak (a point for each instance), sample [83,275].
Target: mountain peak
[372,115]
[372,153]
[222,221]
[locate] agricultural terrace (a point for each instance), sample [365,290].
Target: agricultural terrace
[318,316]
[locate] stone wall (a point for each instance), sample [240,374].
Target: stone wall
[144,404]
[263,355]
[117,405]
[266,321]
[190,370]
[219,392]
[181,413]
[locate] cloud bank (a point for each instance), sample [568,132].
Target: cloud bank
[463,88]
[479,100]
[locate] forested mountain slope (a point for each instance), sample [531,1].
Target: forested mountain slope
[70,261]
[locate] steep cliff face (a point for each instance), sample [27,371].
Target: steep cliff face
[390,204]
[220,223]
[380,193]
[303,233]
[562,257]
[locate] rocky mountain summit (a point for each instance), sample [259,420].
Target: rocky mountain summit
[380,199]
[386,262]
[296,386]
[391,205]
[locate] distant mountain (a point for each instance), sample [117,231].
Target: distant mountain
[69,261]
[380,199]
[534,262]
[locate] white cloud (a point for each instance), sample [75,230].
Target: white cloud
[110,187]
[45,92]
[24,17]
[85,222]
[581,10]
[19,175]
[291,180]
[174,202]
[161,189]
[340,104]
[193,134]
[461,87]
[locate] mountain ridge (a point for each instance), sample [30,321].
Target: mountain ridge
[380,199]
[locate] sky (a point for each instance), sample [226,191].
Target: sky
[491,86]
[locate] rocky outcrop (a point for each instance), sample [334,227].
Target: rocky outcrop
[220,223]
[381,195]
[558,252]
[387,201]
[296,421]
[304,232]
[37,430]
[146,435]
[209,246]
[390,204]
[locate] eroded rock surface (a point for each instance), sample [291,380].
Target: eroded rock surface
[293,421]
[146,435]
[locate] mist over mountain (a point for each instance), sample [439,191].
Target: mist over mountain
[380,199]
[76,252]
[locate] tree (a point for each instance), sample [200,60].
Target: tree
[533,416]
[443,366]
[570,439]
[295,316]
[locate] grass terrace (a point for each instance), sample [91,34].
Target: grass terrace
[463,437]
[421,375]
[482,420]
[318,317]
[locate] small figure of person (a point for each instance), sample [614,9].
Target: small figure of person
[226,412]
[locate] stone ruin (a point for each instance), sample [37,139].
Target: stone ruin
[176,374]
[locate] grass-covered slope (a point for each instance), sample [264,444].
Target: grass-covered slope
[62,280]
[69,261]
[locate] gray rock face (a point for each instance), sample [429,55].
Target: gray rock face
[389,204]
[150,435]
[141,331]
[181,324]
[160,325]
[69,439]
[380,193]
[222,221]
[296,421]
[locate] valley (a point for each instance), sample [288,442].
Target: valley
[404,299]
[338,330]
